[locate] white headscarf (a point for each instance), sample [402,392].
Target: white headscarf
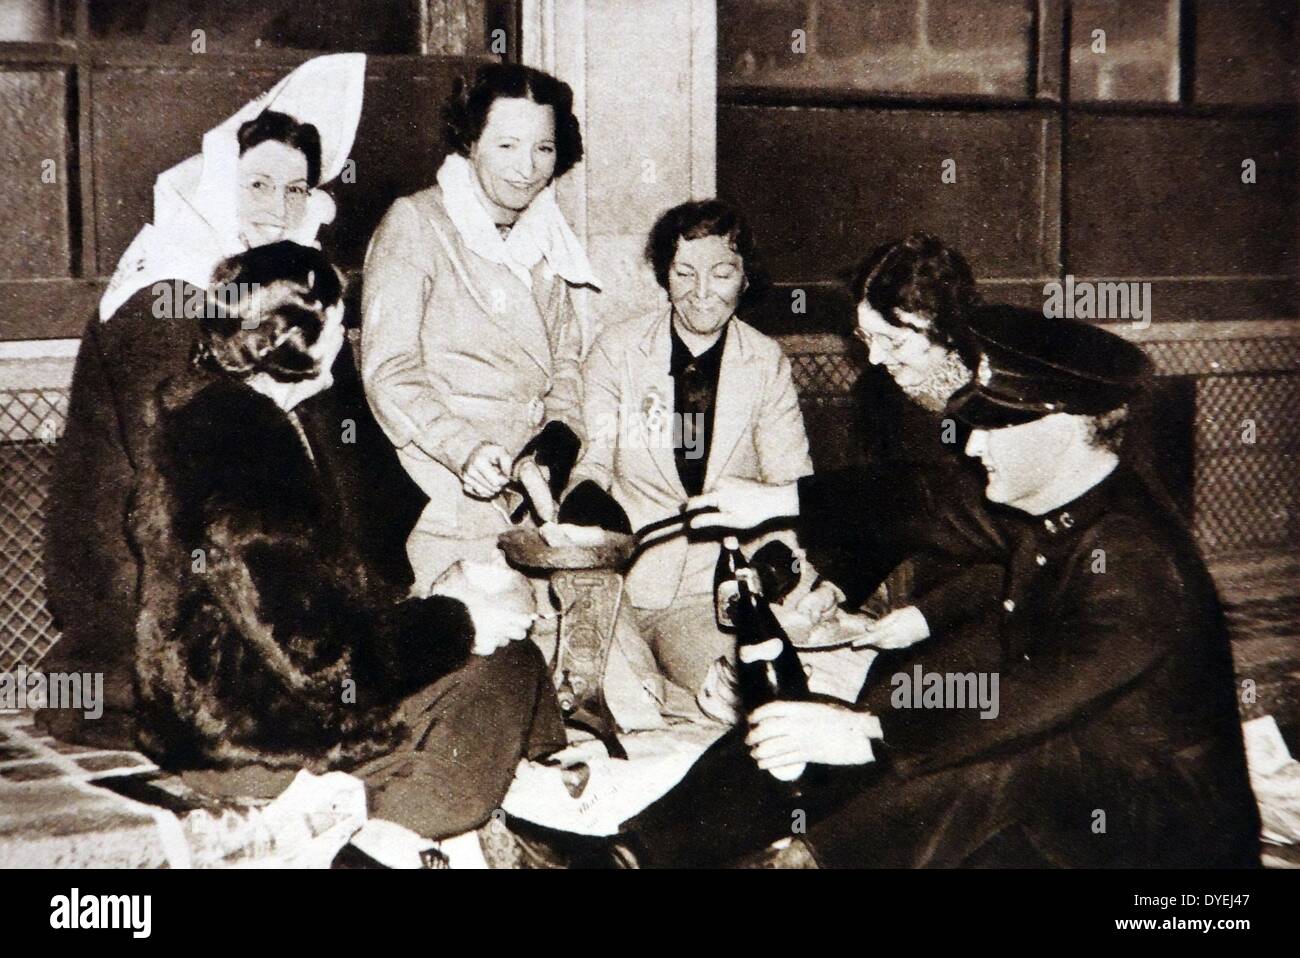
[195,203]
[541,230]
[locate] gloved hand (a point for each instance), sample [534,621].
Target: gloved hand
[590,505]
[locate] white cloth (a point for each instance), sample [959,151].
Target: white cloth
[616,789]
[195,221]
[540,232]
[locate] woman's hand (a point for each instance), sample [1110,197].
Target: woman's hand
[819,605]
[786,734]
[744,503]
[495,627]
[486,471]
[499,600]
[898,630]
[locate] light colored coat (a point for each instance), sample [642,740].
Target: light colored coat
[456,351]
[627,411]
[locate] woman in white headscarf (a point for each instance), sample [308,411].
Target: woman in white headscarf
[470,343]
[258,180]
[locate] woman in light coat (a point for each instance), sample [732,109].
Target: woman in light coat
[687,406]
[470,343]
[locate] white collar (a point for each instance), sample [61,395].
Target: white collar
[540,232]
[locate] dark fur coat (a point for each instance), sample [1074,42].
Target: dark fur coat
[260,637]
[91,573]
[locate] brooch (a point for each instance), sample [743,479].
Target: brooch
[654,411]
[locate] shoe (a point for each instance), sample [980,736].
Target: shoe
[351,857]
[513,843]
[793,855]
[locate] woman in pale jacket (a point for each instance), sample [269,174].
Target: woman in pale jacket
[690,406]
[470,343]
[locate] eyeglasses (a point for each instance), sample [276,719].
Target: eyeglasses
[906,338]
[867,338]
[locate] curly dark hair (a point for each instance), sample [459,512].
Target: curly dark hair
[466,112]
[265,309]
[282,128]
[695,220]
[921,274]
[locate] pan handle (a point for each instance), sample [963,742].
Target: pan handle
[680,518]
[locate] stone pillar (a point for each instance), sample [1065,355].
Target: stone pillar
[644,77]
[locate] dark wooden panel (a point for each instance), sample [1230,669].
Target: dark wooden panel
[958,47]
[1163,196]
[397,151]
[1246,51]
[824,186]
[141,129]
[51,309]
[370,26]
[33,152]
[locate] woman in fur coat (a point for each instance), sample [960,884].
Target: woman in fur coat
[264,645]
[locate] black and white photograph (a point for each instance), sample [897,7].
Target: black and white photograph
[651,435]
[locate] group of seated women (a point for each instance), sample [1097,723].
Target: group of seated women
[231,498]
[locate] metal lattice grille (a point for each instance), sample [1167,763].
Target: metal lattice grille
[823,375]
[1248,446]
[30,422]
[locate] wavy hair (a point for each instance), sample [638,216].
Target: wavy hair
[265,310]
[923,275]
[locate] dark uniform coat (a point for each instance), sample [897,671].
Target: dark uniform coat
[1117,740]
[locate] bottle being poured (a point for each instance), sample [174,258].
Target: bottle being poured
[767,666]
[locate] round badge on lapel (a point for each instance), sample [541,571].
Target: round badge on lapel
[653,410]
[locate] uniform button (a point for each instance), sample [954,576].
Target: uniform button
[1050,525]
[1009,604]
[1026,658]
[1067,521]
[1040,559]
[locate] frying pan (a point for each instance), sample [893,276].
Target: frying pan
[525,546]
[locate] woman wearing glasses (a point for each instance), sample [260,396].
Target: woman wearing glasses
[923,501]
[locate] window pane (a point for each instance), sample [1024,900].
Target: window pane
[1163,196]
[32,21]
[368,26]
[856,178]
[1124,50]
[952,47]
